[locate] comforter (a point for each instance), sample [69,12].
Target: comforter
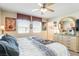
[59,49]
[8,46]
[52,49]
[31,47]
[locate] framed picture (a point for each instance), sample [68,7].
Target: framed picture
[10,24]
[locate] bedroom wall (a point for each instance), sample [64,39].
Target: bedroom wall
[73,14]
[7,14]
[4,14]
[0,19]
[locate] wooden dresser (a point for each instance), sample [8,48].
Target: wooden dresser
[72,42]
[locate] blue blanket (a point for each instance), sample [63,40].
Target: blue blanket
[9,46]
[43,48]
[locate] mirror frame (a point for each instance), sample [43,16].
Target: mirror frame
[73,18]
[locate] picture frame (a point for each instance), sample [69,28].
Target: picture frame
[10,24]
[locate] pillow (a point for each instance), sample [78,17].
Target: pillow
[1,36]
[43,41]
[38,39]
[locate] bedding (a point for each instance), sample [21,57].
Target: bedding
[1,36]
[26,48]
[43,41]
[57,48]
[38,39]
[43,48]
[60,49]
[31,47]
[9,46]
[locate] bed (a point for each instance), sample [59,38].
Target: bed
[32,47]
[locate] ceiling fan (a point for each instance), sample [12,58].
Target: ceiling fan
[44,7]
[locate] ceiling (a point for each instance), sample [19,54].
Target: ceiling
[26,8]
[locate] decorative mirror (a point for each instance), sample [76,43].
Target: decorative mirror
[67,25]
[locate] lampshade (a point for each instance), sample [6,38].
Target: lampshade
[2,27]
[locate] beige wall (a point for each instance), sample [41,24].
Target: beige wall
[3,14]
[0,19]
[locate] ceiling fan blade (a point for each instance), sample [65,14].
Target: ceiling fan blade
[40,4]
[50,10]
[35,10]
[49,4]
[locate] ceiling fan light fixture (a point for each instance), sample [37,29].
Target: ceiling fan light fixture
[43,9]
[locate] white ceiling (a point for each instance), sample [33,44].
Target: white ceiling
[26,8]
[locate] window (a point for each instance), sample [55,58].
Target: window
[37,26]
[23,26]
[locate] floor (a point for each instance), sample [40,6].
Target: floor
[74,53]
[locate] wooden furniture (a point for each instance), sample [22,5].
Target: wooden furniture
[72,42]
[68,35]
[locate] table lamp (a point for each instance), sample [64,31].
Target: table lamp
[2,28]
